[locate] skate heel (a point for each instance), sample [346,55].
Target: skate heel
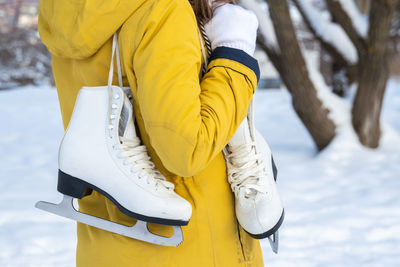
[71,186]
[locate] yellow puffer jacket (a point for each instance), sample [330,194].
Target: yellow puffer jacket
[184,120]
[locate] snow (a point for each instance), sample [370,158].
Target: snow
[342,205]
[360,22]
[330,32]
[30,131]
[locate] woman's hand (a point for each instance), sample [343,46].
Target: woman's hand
[233,26]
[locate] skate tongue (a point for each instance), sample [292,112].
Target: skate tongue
[242,134]
[126,127]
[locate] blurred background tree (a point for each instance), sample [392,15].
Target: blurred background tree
[23,58]
[359,43]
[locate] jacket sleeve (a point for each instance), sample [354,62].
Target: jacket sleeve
[189,121]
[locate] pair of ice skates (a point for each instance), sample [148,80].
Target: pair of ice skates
[101,142]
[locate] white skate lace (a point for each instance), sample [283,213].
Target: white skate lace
[136,155]
[245,169]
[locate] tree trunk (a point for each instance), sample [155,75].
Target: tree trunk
[294,73]
[373,75]
[17,12]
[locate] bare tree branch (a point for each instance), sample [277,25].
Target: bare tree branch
[327,46]
[341,17]
[271,53]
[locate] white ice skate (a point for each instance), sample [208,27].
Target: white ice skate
[100,151]
[252,175]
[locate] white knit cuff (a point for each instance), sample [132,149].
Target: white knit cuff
[238,45]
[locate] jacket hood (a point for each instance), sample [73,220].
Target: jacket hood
[78,28]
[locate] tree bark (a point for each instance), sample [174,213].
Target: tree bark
[373,75]
[363,5]
[294,73]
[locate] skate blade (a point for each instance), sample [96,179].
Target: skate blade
[274,242]
[138,231]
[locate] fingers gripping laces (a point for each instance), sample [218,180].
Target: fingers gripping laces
[136,155]
[245,169]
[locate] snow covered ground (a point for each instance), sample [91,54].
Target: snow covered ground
[342,205]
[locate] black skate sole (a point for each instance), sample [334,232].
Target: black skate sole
[77,188]
[271,231]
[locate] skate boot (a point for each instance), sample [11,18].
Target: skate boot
[252,176]
[101,151]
